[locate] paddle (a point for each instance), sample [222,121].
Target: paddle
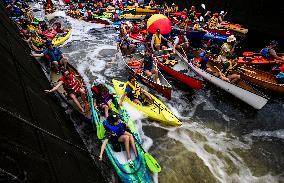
[203,6]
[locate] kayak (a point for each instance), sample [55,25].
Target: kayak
[221,31]
[59,40]
[202,35]
[234,27]
[132,17]
[140,37]
[145,9]
[104,15]
[54,77]
[156,110]
[128,173]
[49,34]
[257,60]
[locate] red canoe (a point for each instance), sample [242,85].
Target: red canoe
[138,36]
[178,68]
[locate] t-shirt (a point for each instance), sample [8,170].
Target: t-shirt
[54,54]
[148,63]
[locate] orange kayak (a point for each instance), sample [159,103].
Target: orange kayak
[257,60]
[234,27]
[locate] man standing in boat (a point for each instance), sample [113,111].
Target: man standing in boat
[181,41]
[227,48]
[226,73]
[134,92]
[157,40]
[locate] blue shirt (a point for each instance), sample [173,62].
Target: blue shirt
[54,54]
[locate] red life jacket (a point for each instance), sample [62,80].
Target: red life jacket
[181,39]
[135,29]
[89,14]
[70,83]
[80,5]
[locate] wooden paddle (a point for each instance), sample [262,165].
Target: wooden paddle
[250,54]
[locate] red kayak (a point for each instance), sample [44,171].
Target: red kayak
[178,68]
[250,59]
[224,32]
[140,36]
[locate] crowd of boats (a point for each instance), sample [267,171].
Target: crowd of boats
[187,45]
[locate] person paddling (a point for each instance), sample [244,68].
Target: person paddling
[181,41]
[134,92]
[226,73]
[269,51]
[72,87]
[227,48]
[117,131]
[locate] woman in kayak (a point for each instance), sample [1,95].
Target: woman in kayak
[102,98]
[134,92]
[72,87]
[117,131]
[269,51]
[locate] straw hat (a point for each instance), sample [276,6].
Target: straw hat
[231,38]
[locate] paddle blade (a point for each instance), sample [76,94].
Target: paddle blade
[152,164]
[100,131]
[203,6]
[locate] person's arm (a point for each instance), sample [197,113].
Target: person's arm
[102,149]
[233,49]
[122,98]
[275,56]
[54,88]
[152,42]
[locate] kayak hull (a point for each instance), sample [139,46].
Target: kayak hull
[257,60]
[59,41]
[158,111]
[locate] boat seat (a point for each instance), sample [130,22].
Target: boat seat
[184,71]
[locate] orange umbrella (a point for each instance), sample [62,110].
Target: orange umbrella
[159,21]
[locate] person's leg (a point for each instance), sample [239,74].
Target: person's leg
[55,63]
[234,77]
[64,60]
[105,107]
[157,46]
[155,71]
[125,140]
[132,142]
[148,73]
[137,101]
[75,100]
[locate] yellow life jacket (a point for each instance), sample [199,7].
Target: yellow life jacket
[213,22]
[183,25]
[230,68]
[136,88]
[37,41]
[158,39]
[196,27]
[170,62]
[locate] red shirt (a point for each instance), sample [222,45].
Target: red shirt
[70,82]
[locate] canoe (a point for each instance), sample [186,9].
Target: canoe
[240,90]
[261,78]
[138,172]
[57,41]
[156,111]
[257,60]
[180,71]
[145,9]
[132,17]
[139,37]
[54,79]
[234,27]
[162,86]
[220,31]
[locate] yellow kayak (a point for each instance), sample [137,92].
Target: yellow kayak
[132,17]
[156,110]
[60,40]
[146,9]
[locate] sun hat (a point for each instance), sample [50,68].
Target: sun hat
[231,38]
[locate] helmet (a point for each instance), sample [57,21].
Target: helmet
[202,54]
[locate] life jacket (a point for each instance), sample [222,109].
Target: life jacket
[158,39]
[37,41]
[100,96]
[115,17]
[230,68]
[70,83]
[181,39]
[118,129]
[213,22]
[135,29]
[53,55]
[136,88]
[183,25]
[191,15]
[265,52]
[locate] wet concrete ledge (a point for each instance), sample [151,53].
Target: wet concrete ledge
[38,141]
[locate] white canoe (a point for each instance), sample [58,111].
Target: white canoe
[252,97]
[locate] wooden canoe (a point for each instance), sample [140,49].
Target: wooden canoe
[162,86]
[54,79]
[180,71]
[241,89]
[261,78]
